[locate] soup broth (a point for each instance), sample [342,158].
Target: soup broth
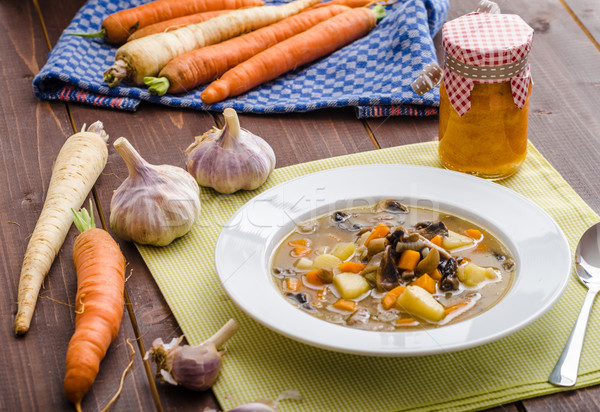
[389,266]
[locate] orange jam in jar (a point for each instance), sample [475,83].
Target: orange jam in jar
[488,141]
[484,93]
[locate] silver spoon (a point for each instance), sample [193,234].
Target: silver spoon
[587,262]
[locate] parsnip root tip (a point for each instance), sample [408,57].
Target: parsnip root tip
[115,73]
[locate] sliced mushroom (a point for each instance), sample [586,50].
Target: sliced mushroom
[373,264]
[448,269]
[429,263]
[339,217]
[429,230]
[387,272]
[325,275]
[390,206]
[415,241]
[407,275]
[412,241]
[376,246]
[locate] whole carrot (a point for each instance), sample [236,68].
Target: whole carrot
[117,27]
[147,56]
[204,65]
[79,163]
[100,268]
[303,48]
[176,23]
[348,3]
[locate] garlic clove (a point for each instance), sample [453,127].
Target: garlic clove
[230,159]
[193,367]
[155,204]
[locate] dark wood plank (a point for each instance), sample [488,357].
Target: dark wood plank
[33,132]
[301,137]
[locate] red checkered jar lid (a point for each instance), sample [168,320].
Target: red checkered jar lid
[485,48]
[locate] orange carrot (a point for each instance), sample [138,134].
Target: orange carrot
[300,242]
[313,278]
[172,24]
[390,298]
[100,268]
[381,230]
[426,282]
[293,284]
[473,233]
[457,306]
[354,267]
[348,3]
[436,275]
[303,48]
[437,240]
[117,27]
[141,58]
[299,251]
[345,305]
[406,322]
[409,259]
[204,65]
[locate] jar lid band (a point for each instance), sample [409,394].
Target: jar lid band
[486,72]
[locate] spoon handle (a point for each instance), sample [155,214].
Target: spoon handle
[565,371]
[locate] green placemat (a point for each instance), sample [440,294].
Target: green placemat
[261,364]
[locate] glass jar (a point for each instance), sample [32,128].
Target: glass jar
[488,141]
[484,93]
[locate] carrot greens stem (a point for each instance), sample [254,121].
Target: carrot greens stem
[379,12]
[84,220]
[158,85]
[98,34]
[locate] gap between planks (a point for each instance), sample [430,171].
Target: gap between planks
[580,24]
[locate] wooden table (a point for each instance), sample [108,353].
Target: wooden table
[564,125]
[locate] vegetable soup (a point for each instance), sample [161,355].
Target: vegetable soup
[390,267]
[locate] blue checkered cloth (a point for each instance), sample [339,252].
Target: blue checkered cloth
[373,74]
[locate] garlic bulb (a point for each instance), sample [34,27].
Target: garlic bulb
[155,204]
[231,158]
[193,367]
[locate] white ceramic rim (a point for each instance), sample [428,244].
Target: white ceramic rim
[246,243]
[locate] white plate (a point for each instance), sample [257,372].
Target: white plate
[246,243]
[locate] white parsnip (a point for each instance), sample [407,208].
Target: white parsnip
[148,55]
[79,163]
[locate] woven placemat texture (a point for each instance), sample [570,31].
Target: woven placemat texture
[373,74]
[260,363]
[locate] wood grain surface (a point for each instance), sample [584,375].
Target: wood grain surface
[564,125]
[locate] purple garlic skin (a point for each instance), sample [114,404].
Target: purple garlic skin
[193,367]
[155,204]
[196,368]
[230,159]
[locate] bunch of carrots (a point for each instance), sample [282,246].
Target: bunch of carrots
[231,45]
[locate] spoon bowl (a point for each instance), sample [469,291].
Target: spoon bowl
[587,263]
[587,256]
